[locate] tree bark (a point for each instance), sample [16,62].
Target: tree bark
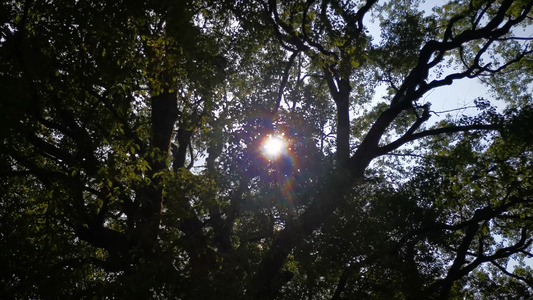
[340,90]
[164,116]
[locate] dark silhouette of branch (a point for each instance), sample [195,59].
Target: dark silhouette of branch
[284,80]
[528,281]
[410,136]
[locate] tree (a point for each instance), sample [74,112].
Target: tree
[132,163]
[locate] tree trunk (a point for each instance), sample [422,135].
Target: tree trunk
[164,115]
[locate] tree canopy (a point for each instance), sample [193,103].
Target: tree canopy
[132,159]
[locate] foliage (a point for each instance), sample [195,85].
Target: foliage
[131,161]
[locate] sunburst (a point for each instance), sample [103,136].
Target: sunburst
[274,146]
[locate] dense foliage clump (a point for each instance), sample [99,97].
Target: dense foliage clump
[132,160]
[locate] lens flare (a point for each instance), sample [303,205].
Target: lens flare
[273,146]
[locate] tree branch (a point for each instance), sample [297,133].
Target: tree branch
[284,80]
[410,137]
[528,281]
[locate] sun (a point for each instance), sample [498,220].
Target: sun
[273,146]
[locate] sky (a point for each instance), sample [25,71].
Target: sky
[447,99]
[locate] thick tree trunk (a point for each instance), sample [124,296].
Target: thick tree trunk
[343,126]
[164,115]
[180,152]
[270,278]
[340,89]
